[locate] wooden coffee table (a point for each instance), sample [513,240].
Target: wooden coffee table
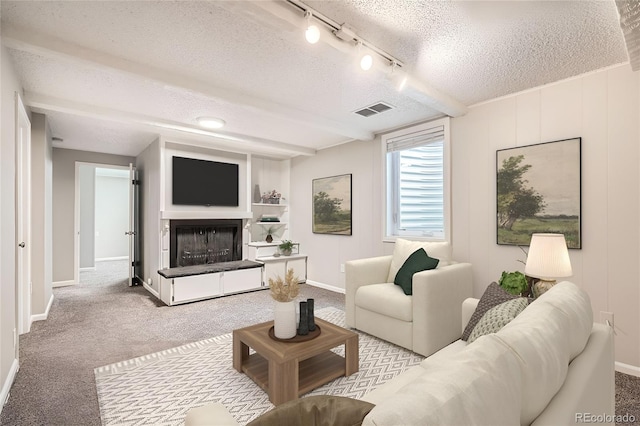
[286,370]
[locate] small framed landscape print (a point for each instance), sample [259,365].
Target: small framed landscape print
[539,190]
[332,205]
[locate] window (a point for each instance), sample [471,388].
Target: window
[417,181]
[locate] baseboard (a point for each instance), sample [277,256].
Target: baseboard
[106,259]
[6,386]
[628,369]
[63,283]
[45,315]
[150,289]
[88,268]
[326,286]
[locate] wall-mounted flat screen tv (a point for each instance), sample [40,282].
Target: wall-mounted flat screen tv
[204,183]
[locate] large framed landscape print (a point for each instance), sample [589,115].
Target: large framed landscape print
[332,205]
[539,190]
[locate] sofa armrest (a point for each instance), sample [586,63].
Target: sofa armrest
[373,270]
[589,386]
[437,306]
[468,308]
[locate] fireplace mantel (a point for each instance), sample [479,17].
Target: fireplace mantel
[203,214]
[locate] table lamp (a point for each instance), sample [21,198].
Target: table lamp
[548,259]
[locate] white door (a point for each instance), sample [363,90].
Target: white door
[23,216]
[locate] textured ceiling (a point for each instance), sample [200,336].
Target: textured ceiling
[113,75]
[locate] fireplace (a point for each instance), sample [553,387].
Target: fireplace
[205,241]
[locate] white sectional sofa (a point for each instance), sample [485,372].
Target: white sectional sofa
[551,365]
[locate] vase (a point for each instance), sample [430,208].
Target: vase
[303,324]
[311,320]
[269,238]
[286,252]
[257,198]
[284,320]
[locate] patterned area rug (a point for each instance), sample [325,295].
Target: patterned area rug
[160,388]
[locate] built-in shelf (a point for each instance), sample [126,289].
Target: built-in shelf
[280,258]
[269,205]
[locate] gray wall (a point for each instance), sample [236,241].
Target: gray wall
[63,204]
[86,187]
[41,216]
[112,216]
[9,85]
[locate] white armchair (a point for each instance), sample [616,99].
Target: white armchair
[424,322]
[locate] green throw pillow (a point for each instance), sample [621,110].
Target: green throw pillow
[318,410]
[418,261]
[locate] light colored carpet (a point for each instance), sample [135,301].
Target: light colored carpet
[160,388]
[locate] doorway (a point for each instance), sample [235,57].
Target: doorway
[103,206]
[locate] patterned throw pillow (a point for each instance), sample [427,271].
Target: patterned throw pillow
[497,317]
[494,295]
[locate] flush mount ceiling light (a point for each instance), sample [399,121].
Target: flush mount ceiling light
[210,122]
[312,33]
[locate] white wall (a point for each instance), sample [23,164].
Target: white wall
[327,252]
[9,85]
[111,216]
[64,204]
[602,108]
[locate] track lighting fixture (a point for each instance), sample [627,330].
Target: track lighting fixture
[312,33]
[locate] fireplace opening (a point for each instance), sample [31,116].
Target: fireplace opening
[205,241]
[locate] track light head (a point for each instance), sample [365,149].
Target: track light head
[312,33]
[366,62]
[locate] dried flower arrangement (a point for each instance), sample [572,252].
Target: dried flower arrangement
[284,290]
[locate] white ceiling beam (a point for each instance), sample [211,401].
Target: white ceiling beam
[47,46]
[290,18]
[165,127]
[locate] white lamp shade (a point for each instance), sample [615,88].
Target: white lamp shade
[548,257]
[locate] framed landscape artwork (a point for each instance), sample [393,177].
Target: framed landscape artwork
[539,190]
[332,205]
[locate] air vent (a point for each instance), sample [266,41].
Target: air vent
[374,109]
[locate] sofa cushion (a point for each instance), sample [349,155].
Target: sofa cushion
[494,295]
[319,410]
[544,337]
[480,385]
[403,249]
[387,299]
[497,317]
[418,261]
